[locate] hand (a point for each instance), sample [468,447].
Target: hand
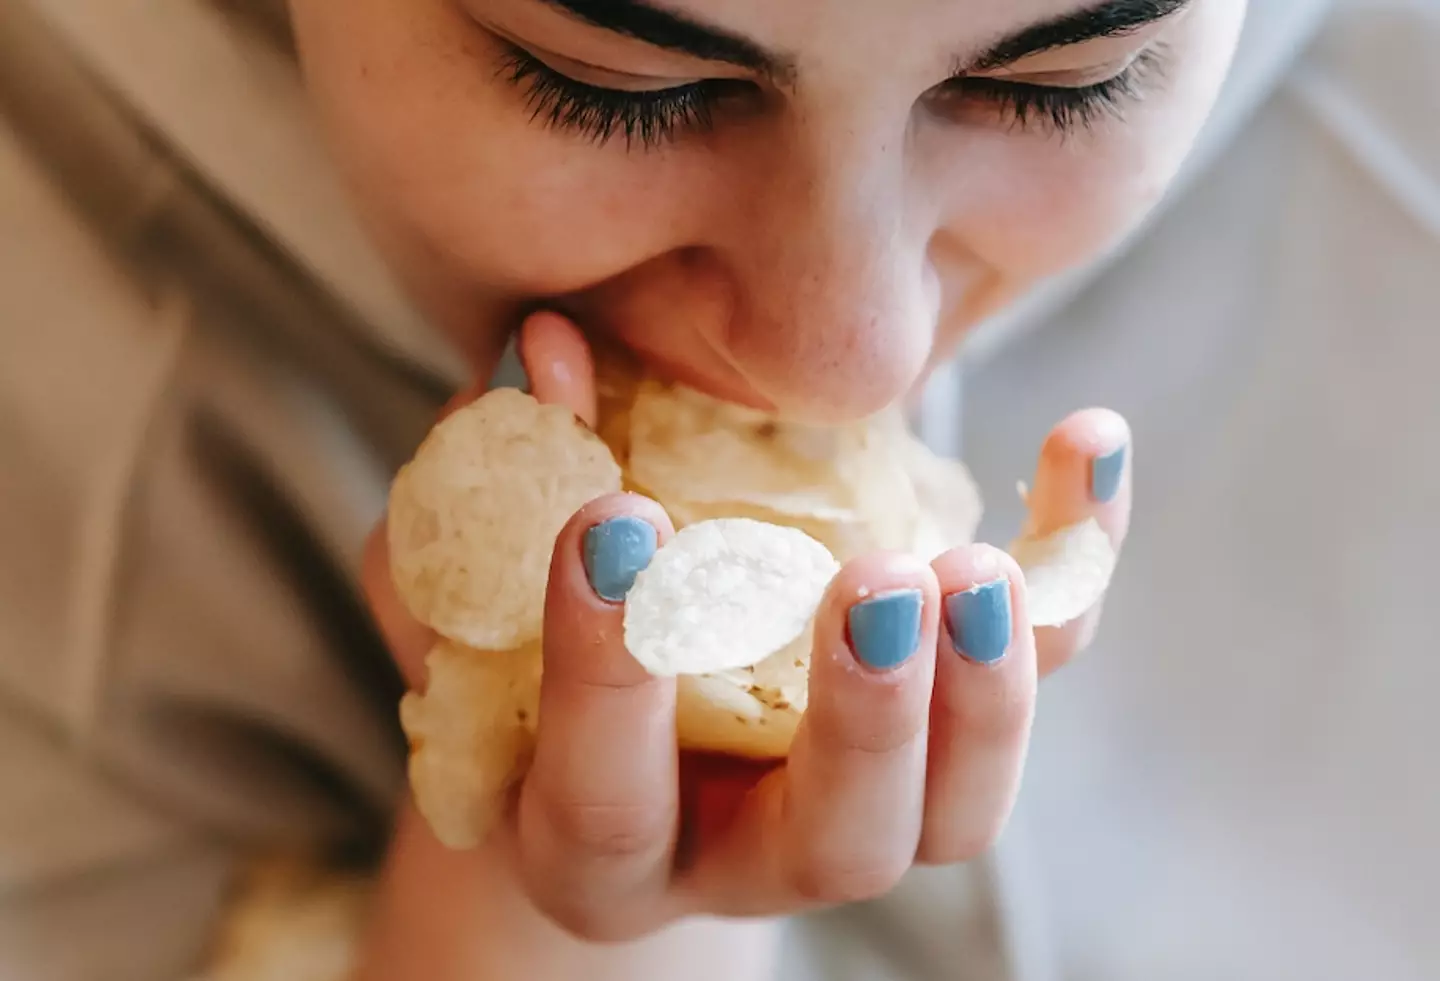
[910,751]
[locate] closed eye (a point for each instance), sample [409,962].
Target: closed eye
[1058,108]
[654,117]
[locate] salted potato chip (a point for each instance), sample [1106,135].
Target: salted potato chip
[847,537]
[617,378]
[950,505]
[689,447]
[751,712]
[1066,571]
[471,736]
[723,595]
[702,459]
[874,467]
[474,516]
[714,715]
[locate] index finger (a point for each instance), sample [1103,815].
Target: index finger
[599,809]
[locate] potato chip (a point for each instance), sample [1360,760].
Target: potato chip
[950,505]
[1066,571]
[751,712]
[702,459]
[688,447]
[845,537]
[873,465]
[723,595]
[471,736]
[617,377]
[714,715]
[473,518]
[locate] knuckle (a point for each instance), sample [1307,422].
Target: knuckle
[821,882]
[611,831]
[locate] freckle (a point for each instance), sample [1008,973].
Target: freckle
[766,430]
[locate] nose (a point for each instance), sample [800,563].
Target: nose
[837,305]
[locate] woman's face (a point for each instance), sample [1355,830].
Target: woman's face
[798,204]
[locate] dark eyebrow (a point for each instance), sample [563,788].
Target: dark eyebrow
[672,31]
[662,28]
[1110,19]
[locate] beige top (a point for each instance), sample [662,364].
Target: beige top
[205,382]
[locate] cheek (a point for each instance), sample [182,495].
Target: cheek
[1051,208]
[1033,206]
[524,217]
[448,168]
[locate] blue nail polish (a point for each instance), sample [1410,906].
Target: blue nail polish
[1105,474]
[615,552]
[980,621]
[885,630]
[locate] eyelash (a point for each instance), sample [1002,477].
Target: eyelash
[657,117]
[599,114]
[1064,110]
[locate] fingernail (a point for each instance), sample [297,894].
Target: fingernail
[980,621]
[1105,474]
[615,552]
[885,630]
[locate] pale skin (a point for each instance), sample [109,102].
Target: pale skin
[864,184]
